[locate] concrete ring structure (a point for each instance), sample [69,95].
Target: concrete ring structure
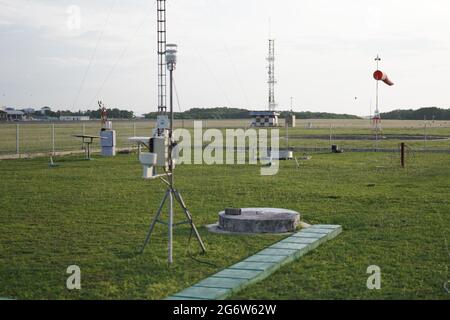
[260,220]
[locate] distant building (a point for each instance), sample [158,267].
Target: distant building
[74,118]
[44,110]
[264,118]
[29,110]
[9,114]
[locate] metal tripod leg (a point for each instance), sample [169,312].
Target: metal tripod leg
[170,256]
[152,226]
[189,216]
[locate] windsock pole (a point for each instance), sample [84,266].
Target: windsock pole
[377,121]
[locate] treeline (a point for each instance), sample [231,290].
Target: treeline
[211,113]
[235,113]
[319,115]
[113,113]
[432,113]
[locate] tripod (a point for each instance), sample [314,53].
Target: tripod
[171,192]
[170,195]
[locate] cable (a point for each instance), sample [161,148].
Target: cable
[190,254]
[237,76]
[176,94]
[108,76]
[93,55]
[215,80]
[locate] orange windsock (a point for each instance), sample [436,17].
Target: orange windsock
[381,76]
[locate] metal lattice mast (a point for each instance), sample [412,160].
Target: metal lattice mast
[162,40]
[272,81]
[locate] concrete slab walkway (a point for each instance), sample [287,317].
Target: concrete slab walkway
[259,266]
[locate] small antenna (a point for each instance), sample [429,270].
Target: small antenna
[270,28]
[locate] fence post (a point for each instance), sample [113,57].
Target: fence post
[134,129]
[402,154]
[53,139]
[17,140]
[425,136]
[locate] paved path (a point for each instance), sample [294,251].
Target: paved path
[259,266]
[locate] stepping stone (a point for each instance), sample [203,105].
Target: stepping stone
[299,239]
[202,293]
[223,283]
[309,235]
[277,252]
[259,266]
[316,230]
[264,258]
[237,274]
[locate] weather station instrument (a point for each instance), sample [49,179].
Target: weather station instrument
[161,145]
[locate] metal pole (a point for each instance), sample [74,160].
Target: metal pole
[377,59]
[376,120]
[170,257]
[425,134]
[83,130]
[287,134]
[331,134]
[402,154]
[53,139]
[171,179]
[18,140]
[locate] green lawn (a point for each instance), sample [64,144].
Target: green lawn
[95,214]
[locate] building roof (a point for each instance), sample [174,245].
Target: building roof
[14,112]
[264,113]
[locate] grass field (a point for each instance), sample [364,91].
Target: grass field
[95,214]
[37,137]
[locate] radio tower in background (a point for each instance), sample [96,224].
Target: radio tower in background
[272,81]
[162,70]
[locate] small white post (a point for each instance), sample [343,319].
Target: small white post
[53,139]
[425,134]
[18,140]
[331,134]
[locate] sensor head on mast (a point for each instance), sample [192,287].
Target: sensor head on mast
[171,56]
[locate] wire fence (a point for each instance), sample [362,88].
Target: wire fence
[28,138]
[32,138]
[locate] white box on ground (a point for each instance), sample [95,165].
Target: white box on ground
[282,155]
[108,143]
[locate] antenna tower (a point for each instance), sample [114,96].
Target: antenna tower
[162,69]
[272,81]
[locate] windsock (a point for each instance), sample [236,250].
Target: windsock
[381,76]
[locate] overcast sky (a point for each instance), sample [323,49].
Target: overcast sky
[325,53]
